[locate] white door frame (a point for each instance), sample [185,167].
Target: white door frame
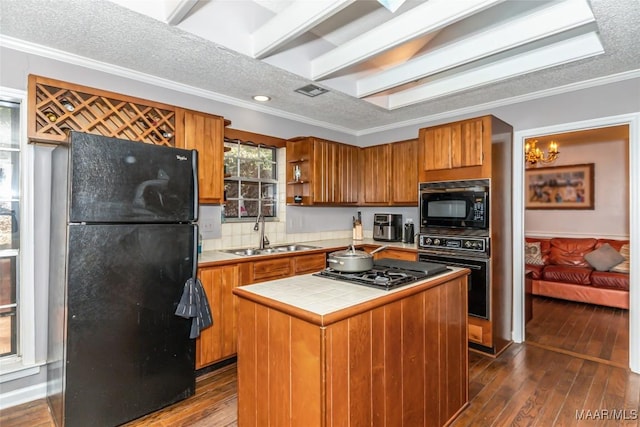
[633,120]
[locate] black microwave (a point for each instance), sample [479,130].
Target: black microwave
[454,204]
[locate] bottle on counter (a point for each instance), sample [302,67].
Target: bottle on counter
[357,227]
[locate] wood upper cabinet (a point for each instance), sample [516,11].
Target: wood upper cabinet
[403,181]
[375,162]
[205,133]
[321,172]
[459,150]
[348,174]
[219,341]
[325,171]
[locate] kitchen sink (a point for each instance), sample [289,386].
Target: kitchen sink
[277,249]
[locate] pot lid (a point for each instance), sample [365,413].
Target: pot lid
[350,252]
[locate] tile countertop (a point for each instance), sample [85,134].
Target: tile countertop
[212,257]
[320,296]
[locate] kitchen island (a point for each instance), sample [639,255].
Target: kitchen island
[319,352]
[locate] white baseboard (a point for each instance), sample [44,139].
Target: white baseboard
[23,395]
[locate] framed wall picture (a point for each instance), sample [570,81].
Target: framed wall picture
[560,187]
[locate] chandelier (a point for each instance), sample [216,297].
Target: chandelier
[534,155]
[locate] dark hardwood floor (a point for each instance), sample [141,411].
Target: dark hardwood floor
[587,330]
[571,366]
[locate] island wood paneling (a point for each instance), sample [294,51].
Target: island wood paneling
[400,364]
[279,369]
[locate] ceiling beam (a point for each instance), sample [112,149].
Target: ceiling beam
[417,22]
[296,19]
[539,24]
[176,10]
[562,52]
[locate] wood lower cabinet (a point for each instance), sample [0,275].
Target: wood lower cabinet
[270,269]
[394,253]
[304,264]
[205,133]
[399,363]
[218,341]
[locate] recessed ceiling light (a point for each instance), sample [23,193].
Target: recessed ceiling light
[262,98]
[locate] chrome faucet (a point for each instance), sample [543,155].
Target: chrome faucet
[264,241]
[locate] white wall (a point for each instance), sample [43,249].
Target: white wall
[621,97]
[610,218]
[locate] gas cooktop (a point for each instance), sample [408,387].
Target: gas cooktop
[387,274]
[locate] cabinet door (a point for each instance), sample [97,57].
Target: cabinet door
[348,174]
[325,171]
[304,264]
[205,133]
[437,147]
[375,175]
[455,145]
[467,143]
[218,341]
[271,269]
[404,173]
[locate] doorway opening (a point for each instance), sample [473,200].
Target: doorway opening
[588,134]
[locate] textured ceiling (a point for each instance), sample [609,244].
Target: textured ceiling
[212,46]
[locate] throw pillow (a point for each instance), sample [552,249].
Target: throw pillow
[623,267]
[604,258]
[533,254]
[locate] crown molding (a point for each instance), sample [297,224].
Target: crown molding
[559,90]
[69,58]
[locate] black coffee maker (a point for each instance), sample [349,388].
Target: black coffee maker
[408,233]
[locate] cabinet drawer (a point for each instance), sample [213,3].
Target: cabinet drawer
[475,333]
[480,331]
[271,269]
[309,263]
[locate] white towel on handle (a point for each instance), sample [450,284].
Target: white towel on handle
[194,305]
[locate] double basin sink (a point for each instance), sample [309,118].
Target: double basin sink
[279,249]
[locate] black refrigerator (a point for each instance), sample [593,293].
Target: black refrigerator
[123,244]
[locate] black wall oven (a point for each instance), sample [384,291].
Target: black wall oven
[454,204]
[465,252]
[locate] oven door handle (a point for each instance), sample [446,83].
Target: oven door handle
[471,267]
[455,264]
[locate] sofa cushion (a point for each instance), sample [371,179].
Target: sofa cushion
[615,244]
[545,247]
[571,251]
[604,258]
[536,270]
[609,280]
[623,267]
[567,274]
[532,253]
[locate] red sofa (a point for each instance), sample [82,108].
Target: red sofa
[560,270]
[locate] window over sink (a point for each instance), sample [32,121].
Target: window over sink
[251,181]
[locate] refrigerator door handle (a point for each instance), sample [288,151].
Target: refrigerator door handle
[196,238]
[194,168]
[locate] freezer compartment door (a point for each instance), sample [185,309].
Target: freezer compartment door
[127,354]
[113,180]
